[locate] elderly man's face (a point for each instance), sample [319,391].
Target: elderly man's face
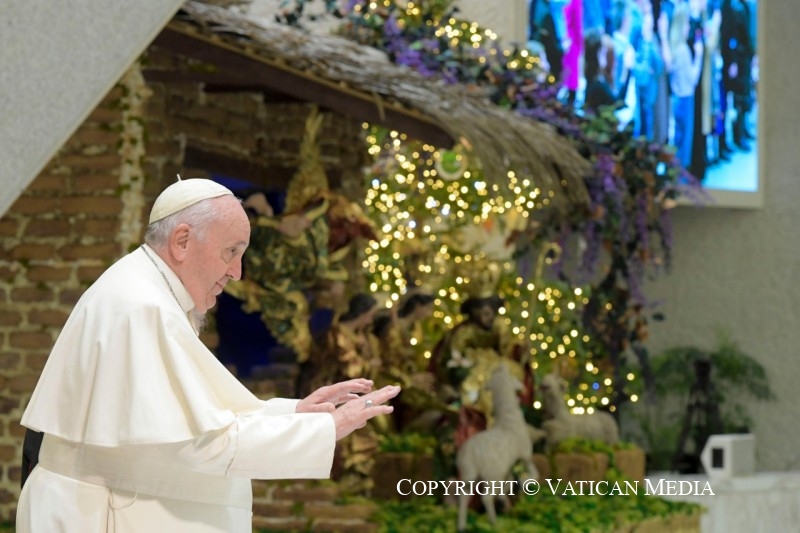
[215,260]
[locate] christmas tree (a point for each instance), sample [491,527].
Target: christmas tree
[440,224]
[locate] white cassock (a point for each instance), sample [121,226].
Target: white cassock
[145,429]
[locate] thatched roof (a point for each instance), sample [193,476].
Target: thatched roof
[361,82]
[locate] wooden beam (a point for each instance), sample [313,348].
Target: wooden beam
[266,177]
[216,77]
[257,74]
[217,82]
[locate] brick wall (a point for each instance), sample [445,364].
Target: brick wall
[242,126]
[65,229]
[308,506]
[56,239]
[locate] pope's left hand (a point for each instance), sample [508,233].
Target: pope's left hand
[325,399]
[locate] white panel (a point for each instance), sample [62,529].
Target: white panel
[57,61]
[507,18]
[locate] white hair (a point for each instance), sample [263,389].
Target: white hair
[199,216]
[200,320]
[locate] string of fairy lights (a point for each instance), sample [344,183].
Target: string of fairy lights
[425,200]
[422,200]
[469,40]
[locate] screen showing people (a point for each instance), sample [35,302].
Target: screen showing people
[680,72]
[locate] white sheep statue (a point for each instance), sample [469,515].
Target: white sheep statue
[562,424]
[490,454]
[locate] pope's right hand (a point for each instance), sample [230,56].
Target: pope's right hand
[326,399]
[354,414]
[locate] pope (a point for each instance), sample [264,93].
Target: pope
[144,429]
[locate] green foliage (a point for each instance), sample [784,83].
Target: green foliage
[415,443]
[737,378]
[588,446]
[735,374]
[543,512]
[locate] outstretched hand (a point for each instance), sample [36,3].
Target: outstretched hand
[326,399]
[355,413]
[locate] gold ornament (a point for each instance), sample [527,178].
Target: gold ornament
[451,164]
[483,280]
[310,181]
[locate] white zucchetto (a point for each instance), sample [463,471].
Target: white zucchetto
[184,193]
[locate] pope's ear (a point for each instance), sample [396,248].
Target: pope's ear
[179,241]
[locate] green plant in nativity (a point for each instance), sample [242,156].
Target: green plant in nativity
[415,443]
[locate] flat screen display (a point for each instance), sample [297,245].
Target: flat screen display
[681,72]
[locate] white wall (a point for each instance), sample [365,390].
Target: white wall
[740,269]
[57,60]
[507,18]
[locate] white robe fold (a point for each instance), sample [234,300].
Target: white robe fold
[137,410]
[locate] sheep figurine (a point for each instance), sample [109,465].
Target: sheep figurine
[562,424]
[490,454]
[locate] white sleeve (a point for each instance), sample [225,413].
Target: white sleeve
[280,406]
[263,445]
